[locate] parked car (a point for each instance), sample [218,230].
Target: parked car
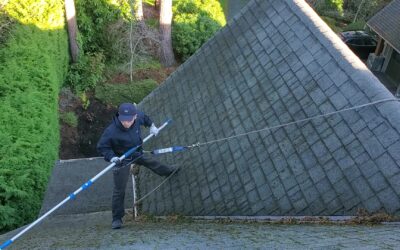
[360,42]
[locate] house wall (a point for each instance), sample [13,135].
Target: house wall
[393,67]
[387,53]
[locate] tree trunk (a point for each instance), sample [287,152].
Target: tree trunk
[167,55]
[139,11]
[72,29]
[157,4]
[358,11]
[140,17]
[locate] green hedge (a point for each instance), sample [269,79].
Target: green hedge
[194,22]
[33,64]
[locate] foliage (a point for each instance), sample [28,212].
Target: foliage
[32,68]
[5,26]
[86,73]
[368,8]
[115,94]
[85,100]
[332,23]
[148,63]
[326,6]
[70,119]
[94,18]
[149,2]
[365,8]
[194,22]
[361,10]
[116,42]
[358,25]
[152,22]
[101,25]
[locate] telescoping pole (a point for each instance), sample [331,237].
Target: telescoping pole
[83,187]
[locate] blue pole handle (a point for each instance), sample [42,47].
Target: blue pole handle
[168,150]
[6,244]
[131,151]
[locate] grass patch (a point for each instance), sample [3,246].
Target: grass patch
[152,23]
[366,218]
[140,63]
[70,119]
[148,64]
[358,25]
[332,23]
[115,94]
[170,219]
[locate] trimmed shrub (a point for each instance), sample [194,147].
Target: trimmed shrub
[33,66]
[85,74]
[194,22]
[116,94]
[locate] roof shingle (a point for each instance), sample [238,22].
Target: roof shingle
[273,63]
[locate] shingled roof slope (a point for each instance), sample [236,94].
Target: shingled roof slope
[386,23]
[274,63]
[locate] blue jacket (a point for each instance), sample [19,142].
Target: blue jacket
[117,139]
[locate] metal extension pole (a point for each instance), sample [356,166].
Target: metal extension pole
[73,195]
[135,210]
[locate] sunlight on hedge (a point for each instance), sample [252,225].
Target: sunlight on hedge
[46,15]
[33,64]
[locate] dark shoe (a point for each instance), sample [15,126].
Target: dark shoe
[116,224]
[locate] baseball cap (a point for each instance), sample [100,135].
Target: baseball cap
[126,112]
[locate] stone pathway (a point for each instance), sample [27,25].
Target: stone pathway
[92,231]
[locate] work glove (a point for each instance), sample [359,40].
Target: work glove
[154,130]
[115,160]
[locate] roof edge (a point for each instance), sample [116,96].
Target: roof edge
[342,54]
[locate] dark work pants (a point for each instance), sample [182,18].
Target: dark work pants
[121,175]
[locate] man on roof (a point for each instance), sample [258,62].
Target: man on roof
[122,134]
